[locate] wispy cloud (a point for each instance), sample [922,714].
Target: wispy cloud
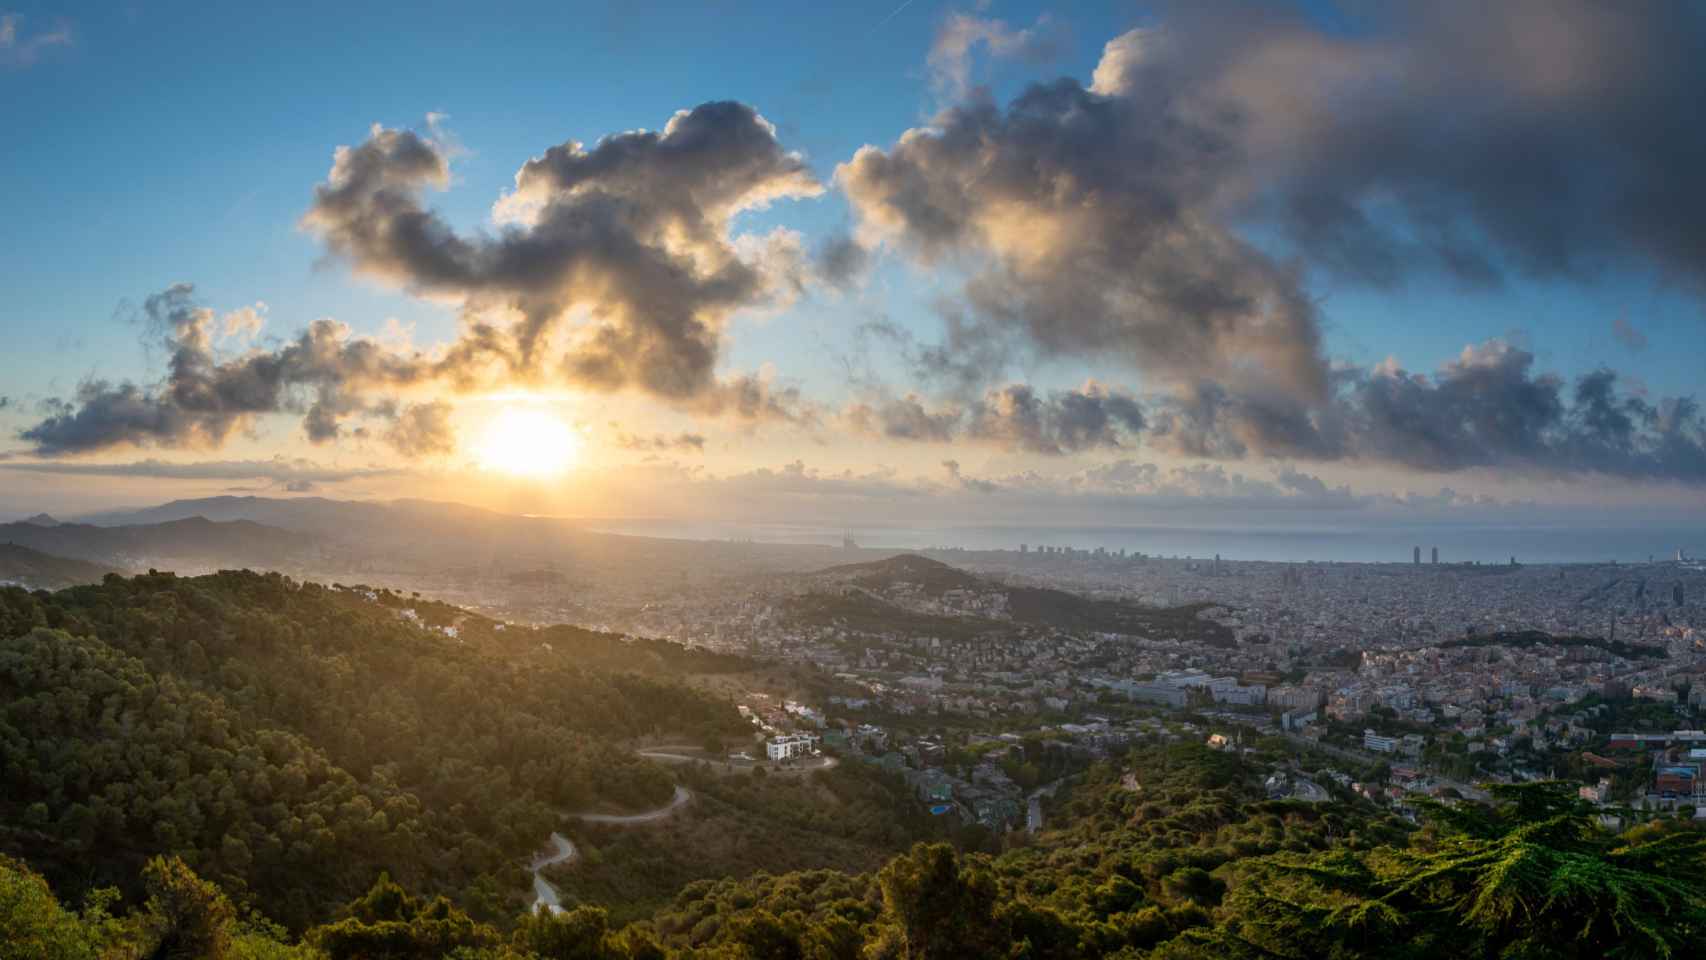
[291,473]
[962,34]
[1628,334]
[20,49]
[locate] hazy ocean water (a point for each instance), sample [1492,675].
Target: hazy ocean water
[1384,544]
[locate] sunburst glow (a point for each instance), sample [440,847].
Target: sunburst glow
[528,441]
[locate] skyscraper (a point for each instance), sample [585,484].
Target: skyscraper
[1436,555]
[1417,557]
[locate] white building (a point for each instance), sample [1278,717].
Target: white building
[1377,743]
[789,746]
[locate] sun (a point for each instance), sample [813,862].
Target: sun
[527,442]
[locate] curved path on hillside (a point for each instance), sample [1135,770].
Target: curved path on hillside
[682,795]
[545,896]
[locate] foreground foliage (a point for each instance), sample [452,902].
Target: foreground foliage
[1531,877]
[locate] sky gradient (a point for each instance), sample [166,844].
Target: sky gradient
[1306,265]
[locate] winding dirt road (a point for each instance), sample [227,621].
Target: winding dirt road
[682,795]
[545,896]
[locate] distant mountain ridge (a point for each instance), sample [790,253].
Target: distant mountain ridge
[426,535]
[195,539]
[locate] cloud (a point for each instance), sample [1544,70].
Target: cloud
[205,398]
[18,50]
[1107,223]
[1211,483]
[1488,408]
[960,480]
[422,430]
[1627,334]
[1105,495]
[657,442]
[1087,222]
[840,260]
[278,470]
[1064,421]
[905,418]
[1013,417]
[245,322]
[614,268]
[962,33]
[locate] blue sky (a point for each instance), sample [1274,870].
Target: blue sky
[181,142]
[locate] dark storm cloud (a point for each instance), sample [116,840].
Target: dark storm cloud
[204,399]
[615,268]
[1469,141]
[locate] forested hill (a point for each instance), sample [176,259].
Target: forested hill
[21,566]
[1171,853]
[290,741]
[908,578]
[193,540]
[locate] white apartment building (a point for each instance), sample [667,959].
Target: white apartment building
[789,746]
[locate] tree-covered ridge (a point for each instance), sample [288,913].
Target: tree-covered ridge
[34,569]
[290,740]
[1169,855]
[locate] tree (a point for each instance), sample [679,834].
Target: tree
[35,926]
[1531,876]
[388,922]
[579,934]
[939,907]
[190,918]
